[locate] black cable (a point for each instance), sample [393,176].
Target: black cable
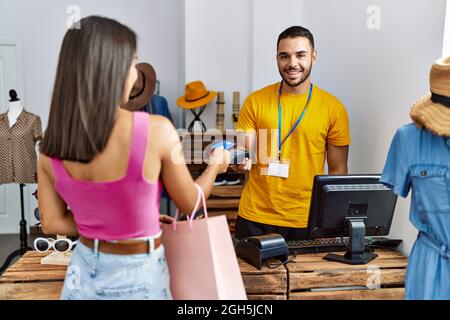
[274,266]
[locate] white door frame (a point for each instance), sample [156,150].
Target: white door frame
[13,42]
[12,192]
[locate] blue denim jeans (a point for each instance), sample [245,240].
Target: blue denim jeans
[101,276]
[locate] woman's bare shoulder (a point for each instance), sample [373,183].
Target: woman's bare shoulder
[43,159]
[163,134]
[160,120]
[161,125]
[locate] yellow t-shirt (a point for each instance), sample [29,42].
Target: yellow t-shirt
[285,202]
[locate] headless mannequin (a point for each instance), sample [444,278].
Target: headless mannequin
[15,108]
[11,140]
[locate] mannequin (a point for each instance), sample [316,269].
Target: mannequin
[15,108]
[20,130]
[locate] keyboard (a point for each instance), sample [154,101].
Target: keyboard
[321,245]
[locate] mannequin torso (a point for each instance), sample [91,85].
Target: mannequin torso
[15,109]
[19,132]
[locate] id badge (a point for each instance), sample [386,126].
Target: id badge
[279,168]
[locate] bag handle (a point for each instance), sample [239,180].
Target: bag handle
[190,219]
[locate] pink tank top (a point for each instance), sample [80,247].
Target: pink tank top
[116,210]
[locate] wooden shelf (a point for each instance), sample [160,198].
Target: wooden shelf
[227,191]
[222,203]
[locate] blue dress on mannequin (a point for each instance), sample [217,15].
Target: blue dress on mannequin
[420,160]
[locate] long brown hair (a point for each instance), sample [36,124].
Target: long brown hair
[93,67]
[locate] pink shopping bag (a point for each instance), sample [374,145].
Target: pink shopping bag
[201,259]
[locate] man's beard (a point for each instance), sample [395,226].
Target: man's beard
[301,81]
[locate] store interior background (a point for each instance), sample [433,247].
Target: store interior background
[231,46]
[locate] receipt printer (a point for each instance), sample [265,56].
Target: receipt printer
[256,249]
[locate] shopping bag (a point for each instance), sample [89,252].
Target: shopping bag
[201,258]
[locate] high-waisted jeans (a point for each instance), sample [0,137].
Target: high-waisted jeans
[93,275]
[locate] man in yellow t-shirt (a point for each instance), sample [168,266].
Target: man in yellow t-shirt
[314,126]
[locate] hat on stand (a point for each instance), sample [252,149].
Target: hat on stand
[195,96]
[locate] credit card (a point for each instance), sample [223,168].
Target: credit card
[225,144]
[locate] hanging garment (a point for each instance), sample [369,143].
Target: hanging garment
[158,105]
[420,160]
[18,159]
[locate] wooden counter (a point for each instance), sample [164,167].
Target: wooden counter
[311,277]
[264,284]
[28,279]
[307,277]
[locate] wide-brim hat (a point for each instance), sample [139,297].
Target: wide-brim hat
[143,88]
[195,96]
[432,111]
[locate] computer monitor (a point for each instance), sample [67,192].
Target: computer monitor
[351,206]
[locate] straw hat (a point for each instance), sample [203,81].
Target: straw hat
[196,96]
[433,110]
[143,88]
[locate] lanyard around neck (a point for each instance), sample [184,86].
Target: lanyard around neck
[280,143]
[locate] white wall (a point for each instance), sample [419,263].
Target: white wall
[377,73]
[446,49]
[41,25]
[218,48]
[270,19]
[230,45]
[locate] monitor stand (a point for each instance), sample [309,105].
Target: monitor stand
[356,254]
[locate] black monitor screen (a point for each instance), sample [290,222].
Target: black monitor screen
[336,199]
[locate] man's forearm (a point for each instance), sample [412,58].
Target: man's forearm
[338,171]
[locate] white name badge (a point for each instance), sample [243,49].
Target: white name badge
[279,168]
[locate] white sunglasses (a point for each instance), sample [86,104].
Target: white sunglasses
[60,245]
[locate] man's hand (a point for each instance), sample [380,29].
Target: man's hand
[245,166]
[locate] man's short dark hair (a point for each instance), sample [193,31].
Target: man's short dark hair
[295,32]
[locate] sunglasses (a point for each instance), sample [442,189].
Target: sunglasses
[60,245]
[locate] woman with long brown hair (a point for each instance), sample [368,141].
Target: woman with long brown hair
[101,169]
